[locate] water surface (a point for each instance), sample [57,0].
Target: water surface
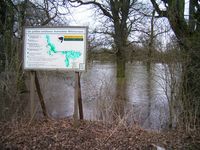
[146,100]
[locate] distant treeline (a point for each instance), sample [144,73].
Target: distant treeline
[136,54]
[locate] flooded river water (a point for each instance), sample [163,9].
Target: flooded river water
[146,93]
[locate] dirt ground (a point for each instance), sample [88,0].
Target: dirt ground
[62,134]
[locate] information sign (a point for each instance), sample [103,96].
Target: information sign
[55,48]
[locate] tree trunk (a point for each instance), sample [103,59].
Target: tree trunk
[188,35]
[121,64]
[120,84]
[191,86]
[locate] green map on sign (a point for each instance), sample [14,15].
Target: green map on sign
[69,54]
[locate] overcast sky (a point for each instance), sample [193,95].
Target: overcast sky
[82,16]
[85,16]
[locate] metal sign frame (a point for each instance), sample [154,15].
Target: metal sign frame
[74,38]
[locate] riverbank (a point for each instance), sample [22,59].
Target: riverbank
[61,134]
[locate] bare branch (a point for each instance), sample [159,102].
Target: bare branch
[160,12]
[100,6]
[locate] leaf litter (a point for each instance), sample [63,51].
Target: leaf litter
[91,135]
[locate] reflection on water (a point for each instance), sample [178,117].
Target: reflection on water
[146,102]
[146,93]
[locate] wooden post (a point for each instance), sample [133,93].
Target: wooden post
[32,93]
[42,103]
[76,100]
[80,99]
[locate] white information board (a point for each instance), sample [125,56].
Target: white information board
[55,48]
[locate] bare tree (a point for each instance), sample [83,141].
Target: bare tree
[13,17]
[118,24]
[118,19]
[187,31]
